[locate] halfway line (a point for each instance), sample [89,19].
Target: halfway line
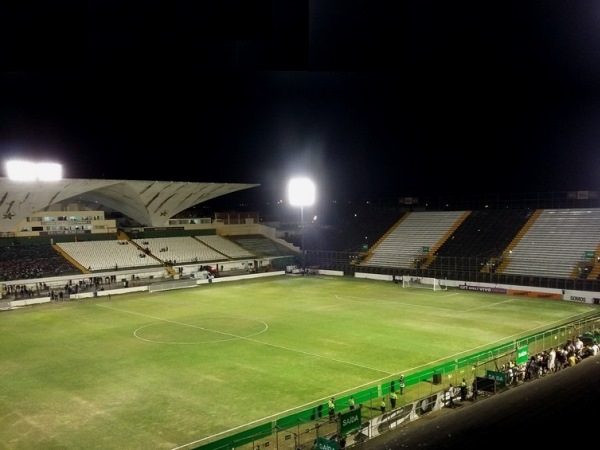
[316,355]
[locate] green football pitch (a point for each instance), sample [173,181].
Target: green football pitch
[177,369]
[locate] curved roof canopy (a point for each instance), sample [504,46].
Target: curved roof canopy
[151,203]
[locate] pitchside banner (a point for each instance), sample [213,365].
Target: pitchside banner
[326,444]
[499,377]
[349,422]
[522,355]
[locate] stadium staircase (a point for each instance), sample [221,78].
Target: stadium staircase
[433,251]
[404,246]
[383,238]
[522,232]
[595,272]
[70,259]
[479,241]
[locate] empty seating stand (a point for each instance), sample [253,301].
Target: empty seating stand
[225,246]
[555,244]
[480,239]
[184,249]
[416,234]
[261,246]
[106,255]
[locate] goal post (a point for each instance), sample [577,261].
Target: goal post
[437,286]
[423,283]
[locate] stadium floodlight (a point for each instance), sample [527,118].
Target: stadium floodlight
[30,171]
[301,193]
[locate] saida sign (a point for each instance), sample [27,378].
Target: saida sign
[349,422]
[326,444]
[522,355]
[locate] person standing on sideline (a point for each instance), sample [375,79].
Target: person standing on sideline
[463,390]
[393,398]
[331,406]
[382,405]
[351,403]
[401,384]
[552,361]
[451,396]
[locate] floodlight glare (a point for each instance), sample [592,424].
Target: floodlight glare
[301,192]
[49,171]
[29,171]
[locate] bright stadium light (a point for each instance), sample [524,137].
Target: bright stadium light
[30,171]
[301,192]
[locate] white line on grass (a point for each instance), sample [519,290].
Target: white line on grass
[370,383]
[234,338]
[277,415]
[251,340]
[312,403]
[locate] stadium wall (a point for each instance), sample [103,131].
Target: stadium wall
[530,291]
[165,285]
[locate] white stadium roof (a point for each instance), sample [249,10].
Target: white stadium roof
[151,203]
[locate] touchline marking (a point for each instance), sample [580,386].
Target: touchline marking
[272,416]
[370,383]
[251,340]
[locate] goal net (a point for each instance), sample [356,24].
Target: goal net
[423,282]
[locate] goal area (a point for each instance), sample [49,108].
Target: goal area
[423,283]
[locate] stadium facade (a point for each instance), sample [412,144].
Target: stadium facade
[78,206]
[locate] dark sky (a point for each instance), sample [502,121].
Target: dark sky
[372,99]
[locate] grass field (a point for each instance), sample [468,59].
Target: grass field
[162,370]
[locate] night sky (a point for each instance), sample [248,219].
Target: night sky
[372,100]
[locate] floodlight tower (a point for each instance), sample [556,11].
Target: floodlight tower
[301,193]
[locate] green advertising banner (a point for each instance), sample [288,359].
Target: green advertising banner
[522,355]
[349,422]
[326,444]
[499,377]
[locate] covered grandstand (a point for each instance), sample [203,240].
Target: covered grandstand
[147,203]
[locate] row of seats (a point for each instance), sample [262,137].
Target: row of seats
[415,234]
[480,239]
[35,261]
[115,254]
[183,249]
[225,246]
[546,243]
[261,246]
[555,243]
[106,255]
